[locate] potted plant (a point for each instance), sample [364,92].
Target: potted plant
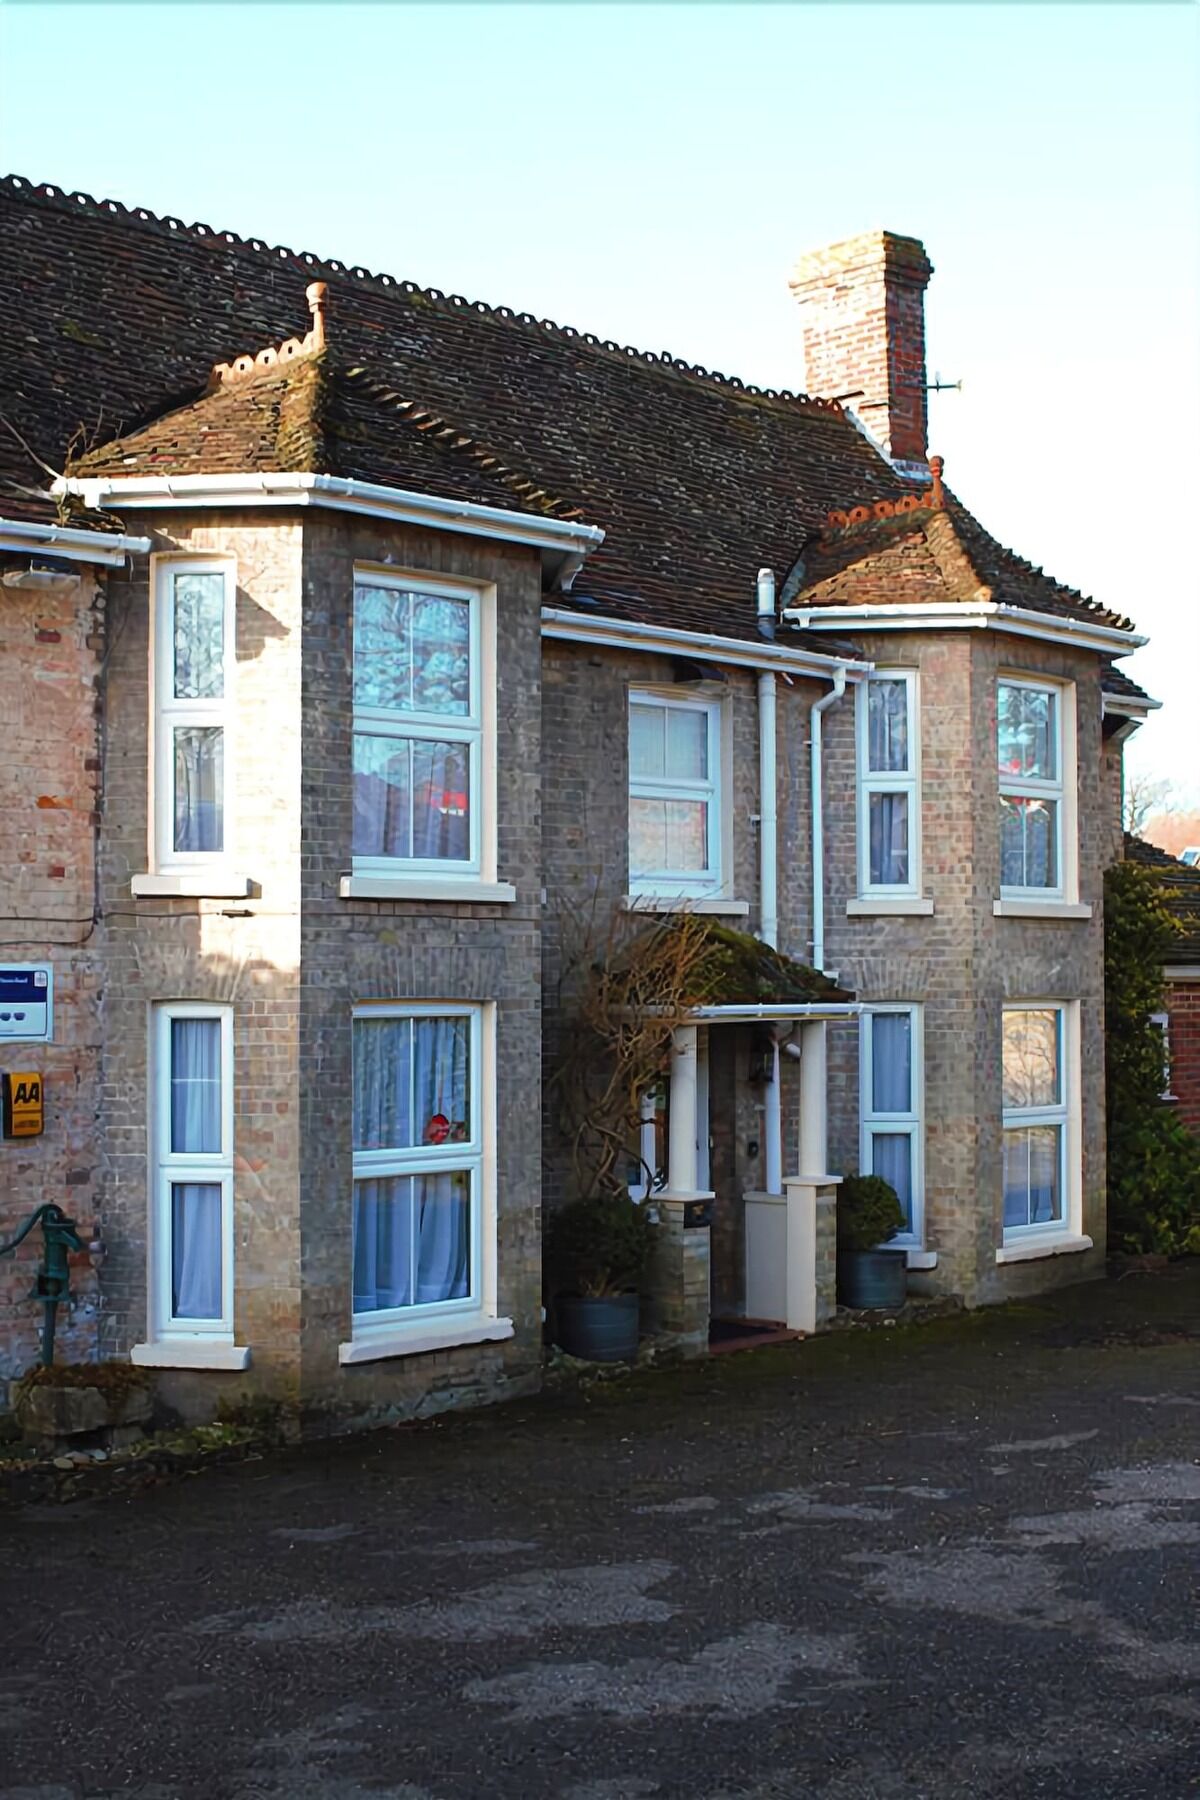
[868,1216]
[597,1250]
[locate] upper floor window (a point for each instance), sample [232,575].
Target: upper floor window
[674,796]
[193,688]
[418,726]
[889,799]
[1030,752]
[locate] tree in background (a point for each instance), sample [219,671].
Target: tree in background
[1153,1163]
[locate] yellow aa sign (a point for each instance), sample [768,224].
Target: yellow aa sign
[23,1115]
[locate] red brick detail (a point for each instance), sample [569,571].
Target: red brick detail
[1183,1029]
[48,637]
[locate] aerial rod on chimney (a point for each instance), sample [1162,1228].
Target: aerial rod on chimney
[938,386]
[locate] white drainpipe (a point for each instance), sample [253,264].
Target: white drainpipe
[768,865]
[816,715]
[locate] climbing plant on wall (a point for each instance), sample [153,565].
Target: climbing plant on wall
[1153,1163]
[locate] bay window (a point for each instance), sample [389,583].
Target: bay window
[891,1085]
[1036,1134]
[1030,755]
[193,689]
[889,795]
[418,1247]
[675,831]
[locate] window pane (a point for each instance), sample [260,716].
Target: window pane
[1031,1058]
[199,787]
[647,741]
[888,825]
[1026,732]
[199,637]
[196,1086]
[891,1157]
[687,745]
[887,726]
[382,1084]
[441,814]
[1032,1171]
[411,1082]
[196,1249]
[668,836]
[411,651]
[1028,843]
[891,1063]
[412,1240]
[382,796]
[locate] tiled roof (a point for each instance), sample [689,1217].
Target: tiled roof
[1181,887]
[932,554]
[1115,681]
[116,318]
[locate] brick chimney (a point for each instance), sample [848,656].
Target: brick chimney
[864,328]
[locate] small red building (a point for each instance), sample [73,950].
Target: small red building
[1181,1016]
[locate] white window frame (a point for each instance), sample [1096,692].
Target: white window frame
[1163,1021]
[169,1167]
[478,1155]
[166,712]
[477,730]
[683,884]
[1066,1114]
[1062,790]
[910,1124]
[886,781]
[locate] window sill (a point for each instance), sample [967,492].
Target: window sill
[880,906]
[425,887]
[375,1346]
[188,1353]
[1034,1251]
[1040,909]
[694,903]
[192,884]
[920,1259]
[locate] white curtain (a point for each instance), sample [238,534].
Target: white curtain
[889,839]
[412,1240]
[887,725]
[891,1063]
[196,1086]
[196,1249]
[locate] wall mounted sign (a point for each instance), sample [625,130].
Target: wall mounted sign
[26,1003]
[23,1104]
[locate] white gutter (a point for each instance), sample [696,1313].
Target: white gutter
[734,1014]
[967,614]
[1127,706]
[768,869]
[816,715]
[572,540]
[28,536]
[702,646]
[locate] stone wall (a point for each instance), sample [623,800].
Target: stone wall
[51,649]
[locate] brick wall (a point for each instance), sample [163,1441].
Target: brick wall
[51,645]
[1183,1028]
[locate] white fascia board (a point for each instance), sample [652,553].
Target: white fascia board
[734,1014]
[123,492]
[702,646]
[29,536]
[977,615]
[1127,706]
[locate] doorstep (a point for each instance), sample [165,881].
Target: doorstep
[747,1334]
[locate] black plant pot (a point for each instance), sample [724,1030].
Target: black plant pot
[872,1277]
[601,1331]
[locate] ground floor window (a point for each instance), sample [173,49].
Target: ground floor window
[891,1065]
[1037,1169]
[419,1155]
[191,1273]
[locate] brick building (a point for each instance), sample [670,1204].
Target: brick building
[344,660]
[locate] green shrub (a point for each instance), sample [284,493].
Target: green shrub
[599,1246]
[868,1212]
[1153,1163]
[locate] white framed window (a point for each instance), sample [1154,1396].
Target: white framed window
[1163,1022]
[1036,764]
[191,1235]
[1040,1062]
[424,727]
[193,661]
[675,768]
[889,786]
[891,1108]
[424,1227]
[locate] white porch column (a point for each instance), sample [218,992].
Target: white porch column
[814,1101]
[681,1145]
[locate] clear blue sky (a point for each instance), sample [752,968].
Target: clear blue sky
[650,173]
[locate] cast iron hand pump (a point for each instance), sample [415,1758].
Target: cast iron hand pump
[53,1281]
